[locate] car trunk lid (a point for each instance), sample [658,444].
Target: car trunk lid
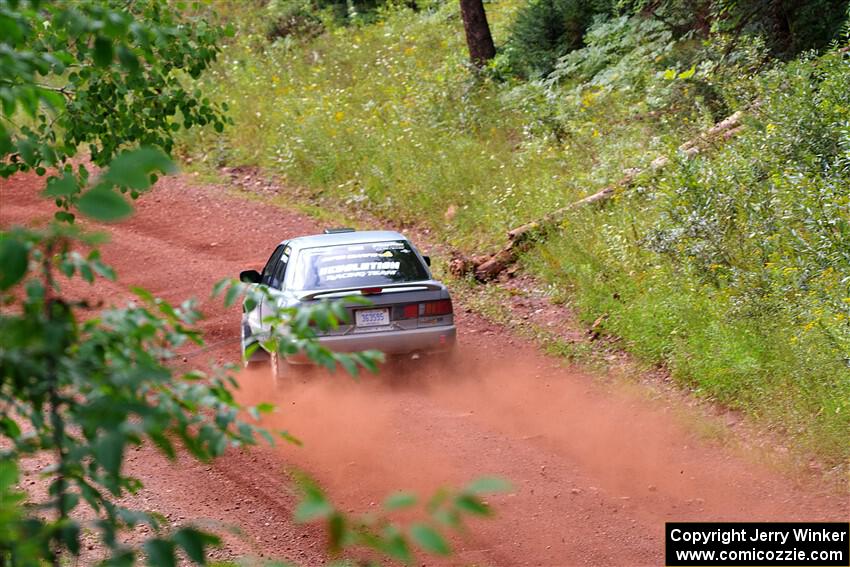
[393,307]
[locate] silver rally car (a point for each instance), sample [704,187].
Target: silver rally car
[409,311]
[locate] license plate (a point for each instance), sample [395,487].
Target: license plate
[372,317]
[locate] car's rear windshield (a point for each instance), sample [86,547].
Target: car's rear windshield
[357,265]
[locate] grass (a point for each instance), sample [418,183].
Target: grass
[729,269]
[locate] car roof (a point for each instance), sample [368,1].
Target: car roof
[355,237]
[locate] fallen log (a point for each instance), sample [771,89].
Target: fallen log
[488,267]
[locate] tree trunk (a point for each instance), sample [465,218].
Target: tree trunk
[478,38]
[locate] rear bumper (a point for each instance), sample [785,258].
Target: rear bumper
[431,339]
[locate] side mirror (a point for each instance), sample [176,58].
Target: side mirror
[250,276]
[427,260]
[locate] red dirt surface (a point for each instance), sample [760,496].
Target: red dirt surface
[596,469]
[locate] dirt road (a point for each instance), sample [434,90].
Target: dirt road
[596,469]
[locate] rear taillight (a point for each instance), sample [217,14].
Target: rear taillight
[410,311]
[441,307]
[425,309]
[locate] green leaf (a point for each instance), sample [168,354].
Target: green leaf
[348,363]
[473,505]
[14,259]
[164,444]
[194,543]
[128,59]
[121,558]
[8,474]
[218,444]
[313,509]
[61,186]
[369,359]
[449,517]
[290,438]
[133,169]
[487,484]
[5,142]
[231,295]
[52,98]
[395,545]
[104,205]
[27,150]
[160,552]
[689,73]
[250,350]
[86,273]
[429,539]
[69,533]
[336,532]
[103,51]
[143,294]
[400,500]
[9,427]
[102,269]
[220,286]
[109,453]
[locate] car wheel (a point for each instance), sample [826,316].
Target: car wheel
[281,371]
[258,359]
[245,362]
[276,366]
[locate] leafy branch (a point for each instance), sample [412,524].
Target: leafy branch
[444,511]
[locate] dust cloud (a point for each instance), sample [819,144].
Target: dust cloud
[420,424]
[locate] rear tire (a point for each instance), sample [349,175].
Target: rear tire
[286,373]
[259,358]
[278,368]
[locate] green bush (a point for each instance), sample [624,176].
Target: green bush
[732,268]
[292,18]
[789,26]
[618,52]
[305,19]
[545,30]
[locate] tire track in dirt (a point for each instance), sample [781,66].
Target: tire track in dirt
[596,470]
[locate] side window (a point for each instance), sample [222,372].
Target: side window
[270,265]
[279,271]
